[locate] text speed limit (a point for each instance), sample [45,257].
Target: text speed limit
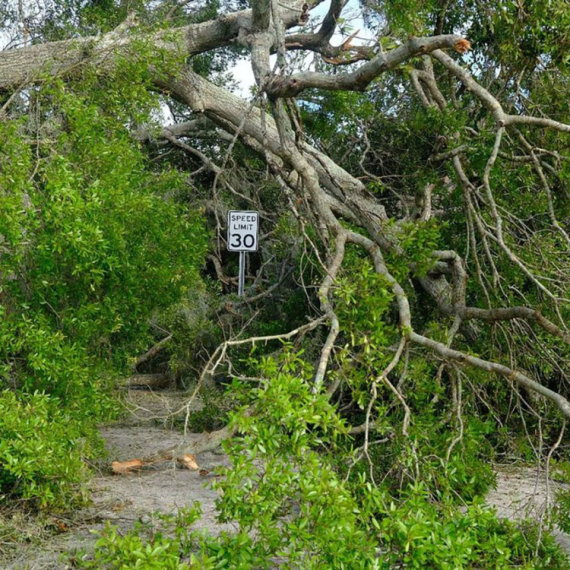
[242,230]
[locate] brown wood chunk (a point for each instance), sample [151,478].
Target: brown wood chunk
[125,467]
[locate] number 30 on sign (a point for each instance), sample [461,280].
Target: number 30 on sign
[242,230]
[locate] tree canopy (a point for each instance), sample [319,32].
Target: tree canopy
[405,320]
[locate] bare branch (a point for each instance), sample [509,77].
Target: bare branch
[292,85]
[384,378]
[560,401]
[490,102]
[511,313]
[152,352]
[326,305]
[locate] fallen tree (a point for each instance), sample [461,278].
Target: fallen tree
[429,192]
[325,188]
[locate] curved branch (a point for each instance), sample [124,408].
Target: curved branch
[467,79]
[292,85]
[320,42]
[445,351]
[311,41]
[561,402]
[326,305]
[510,313]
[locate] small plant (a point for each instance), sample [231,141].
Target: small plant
[560,470]
[166,542]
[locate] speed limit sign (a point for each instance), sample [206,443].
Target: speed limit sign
[242,230]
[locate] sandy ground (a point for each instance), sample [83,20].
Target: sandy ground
[524,493]
[123,500]
[163,488]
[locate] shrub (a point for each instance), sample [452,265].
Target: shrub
[90,249]
[42,450]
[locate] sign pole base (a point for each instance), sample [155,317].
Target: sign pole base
[241,281]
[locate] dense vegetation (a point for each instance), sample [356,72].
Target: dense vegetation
[404,324]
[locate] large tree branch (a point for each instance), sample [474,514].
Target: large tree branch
[445,351]
[292,85]
[261,14]
[508,373]
[510,313]
[330,21]
[27,65]
[235,115]
[197,128]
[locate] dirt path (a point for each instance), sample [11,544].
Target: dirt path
[163,488]
[124,500]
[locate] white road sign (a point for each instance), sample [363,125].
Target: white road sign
[242,230]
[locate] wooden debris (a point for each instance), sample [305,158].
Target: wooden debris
[125,467]
[188,461]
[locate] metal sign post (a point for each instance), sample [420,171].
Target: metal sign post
[241,281]
[243,229]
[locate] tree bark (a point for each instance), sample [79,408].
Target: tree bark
[27,65]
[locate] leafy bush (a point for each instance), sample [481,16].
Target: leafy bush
[90,249]
[421,533]
[213,415]
[166,542]
[284,491]
[42,450]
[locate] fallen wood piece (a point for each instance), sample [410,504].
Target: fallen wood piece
[188,461]
[125,467]
[151,352]
[181,453]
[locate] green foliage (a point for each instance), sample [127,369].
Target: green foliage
[364,299]
[294,503]
[279,490]
[195,332]
[90,250]
[450,456]
[42,450]
[94,272]
[408,16]
[164,543]
[290,503]
[422,534]
[418,241]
